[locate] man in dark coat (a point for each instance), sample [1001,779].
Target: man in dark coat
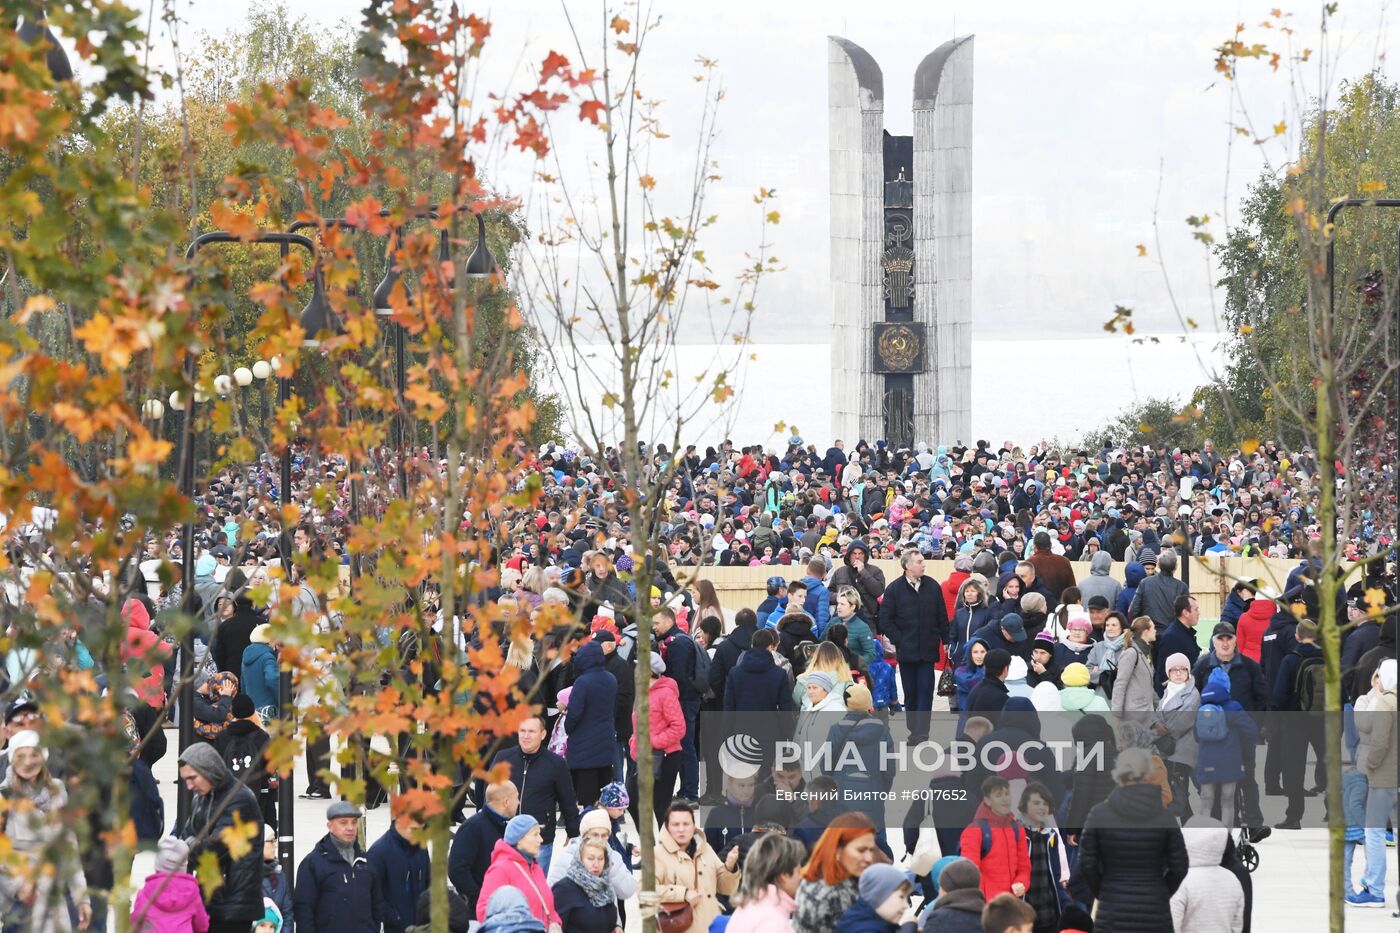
[470,855]
[218,802]
[1247,688]
[543,781]
[234,635]
[729,650]
[867,579]
[1296,734]
[401,868]
[1156,595]
[990,695]
[678,649]
[1177,638]
[589,723]
[1365,636]
[914,616]
[335,891]
[621,671]
[757,683]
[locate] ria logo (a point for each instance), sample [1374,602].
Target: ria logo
[741,756]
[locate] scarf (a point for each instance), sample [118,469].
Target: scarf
[1172,690]
[597,887]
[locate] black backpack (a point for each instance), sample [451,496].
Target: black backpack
[244,756]
[1311,683]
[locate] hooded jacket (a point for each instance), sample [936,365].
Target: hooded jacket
[1249,630]
[145,653]
[1132,576]
[234,635]
[758,684]
[1278,642]
[1235,607]
[1098,582]
[169,902]
[589,720]
[957,911]
[259,676]
[869,582]
[967,618]
[511,868]
[667,717]
[1133,859]
[1222,761]
[239,898]
[1210,899]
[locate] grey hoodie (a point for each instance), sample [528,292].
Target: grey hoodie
[1098,582]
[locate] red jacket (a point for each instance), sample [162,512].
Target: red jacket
[1249,631]
[950,590]
[667,719]
[511,869]
[144,648]
[1009,858]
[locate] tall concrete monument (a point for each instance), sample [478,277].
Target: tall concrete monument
[901,251]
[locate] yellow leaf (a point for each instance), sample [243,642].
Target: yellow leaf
[1246,329]
[1145,428]
[208,873]
[1249,445]
[1142,250]
[34,304]
[1297,206]
[773,217]
[1375,600]
[1367,187]
[620,25]
[1280,128]
[647,182]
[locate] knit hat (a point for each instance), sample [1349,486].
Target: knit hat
[935,872]
[878,882]
[27,738]
[1148,557]
[858,699]
[1033,602]
[1075,675]
[1044,639]
[1018,669]
[243,706]
[1045,698]
[593,819]
[959,875]
[519,827]
[172,855]
[1079,622]
[261,634]
[1178,660]
[821,679]
[613,795]
[1386,670]
[658,664]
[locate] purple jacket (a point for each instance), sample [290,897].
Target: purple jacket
[169,903]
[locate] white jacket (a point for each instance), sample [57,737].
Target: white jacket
[1210,900]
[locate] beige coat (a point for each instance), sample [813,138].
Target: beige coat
[1377,752]
[676,871]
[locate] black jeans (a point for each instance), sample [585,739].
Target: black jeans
[1303,733]
[666,768]
[589,783]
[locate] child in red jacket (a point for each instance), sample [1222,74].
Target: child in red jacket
[996,843]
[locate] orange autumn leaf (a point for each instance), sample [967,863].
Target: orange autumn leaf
[590,110]
[239,223]
[620,25]
[647,182]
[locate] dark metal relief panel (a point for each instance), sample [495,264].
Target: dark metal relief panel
[897,266]
[899,410]
[899,347]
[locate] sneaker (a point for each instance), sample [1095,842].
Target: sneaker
[1260,834]
[1365,899]
[315,793]
[1288,825]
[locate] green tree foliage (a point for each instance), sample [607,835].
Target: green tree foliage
[1266,286]
[1156,421]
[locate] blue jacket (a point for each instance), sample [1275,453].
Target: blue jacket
[916,621]
[260,678]
[471,852]
[1175,639]
[589,721]
[860,917]
[1246,679]
[335,897]
[1234,607]
[1132,576]
[679,650]
[401,870]
[857,745]
[818,603]
[279,891]
[757,683]
[1223,761]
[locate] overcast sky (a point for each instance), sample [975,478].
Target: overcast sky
[1080,112]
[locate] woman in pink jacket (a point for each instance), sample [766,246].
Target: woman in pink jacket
[514,864]
[667,730]
[772,872]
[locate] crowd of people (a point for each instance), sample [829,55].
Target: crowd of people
[835,651]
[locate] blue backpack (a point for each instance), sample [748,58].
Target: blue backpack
[986,827]
[1211,725]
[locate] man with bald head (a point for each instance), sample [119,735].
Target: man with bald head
[471,846]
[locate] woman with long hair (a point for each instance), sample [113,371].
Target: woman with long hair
[828,658]
[34,829]
[767,891]
[831,877]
